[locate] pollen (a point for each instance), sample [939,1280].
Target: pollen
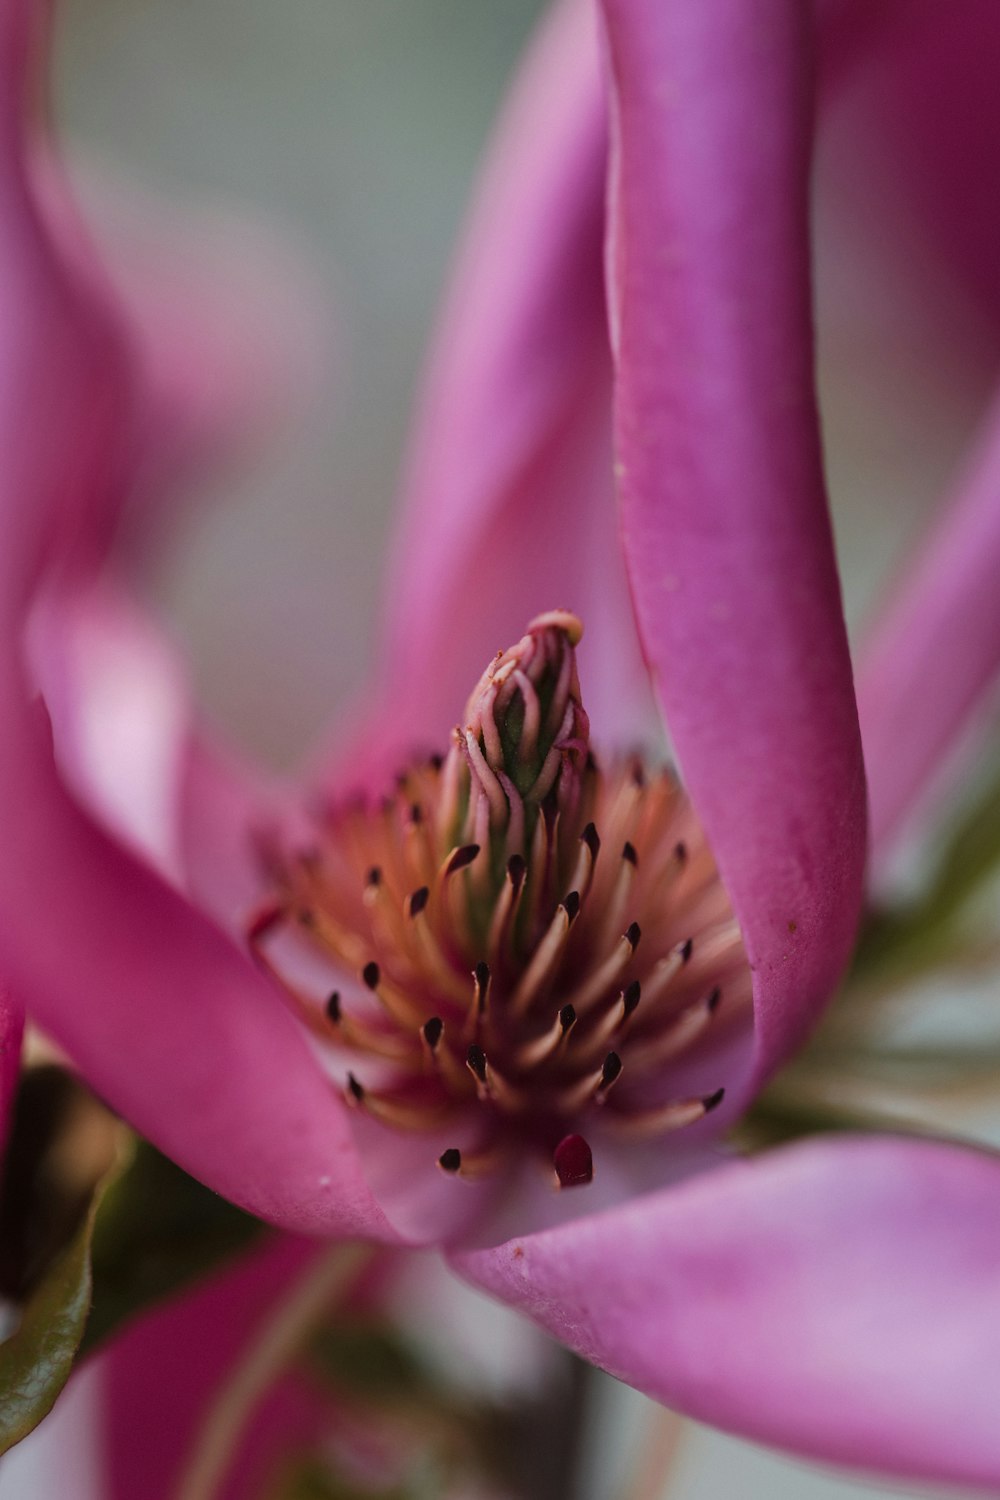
[522,942]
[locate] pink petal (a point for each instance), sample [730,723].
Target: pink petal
[164,1016]
[936,648]
[162,1373]
[161,1012]
[921,131]
[11,1030]
[836,1298]
[506,507]
[726,529]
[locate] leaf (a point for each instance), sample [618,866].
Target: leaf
[36,1360]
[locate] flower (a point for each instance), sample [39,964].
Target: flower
[792,1297]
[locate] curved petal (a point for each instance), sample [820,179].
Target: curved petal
[726,530]
[936,648]
[161,1013]
[837,1298]
[506,505]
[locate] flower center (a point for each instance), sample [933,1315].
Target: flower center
[527,946]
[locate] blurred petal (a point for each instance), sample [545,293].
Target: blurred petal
[836,1298]
[507,501]
[921,131]
[11,1030]
[726,529]
[120,711]
[162,1373]
[936,648]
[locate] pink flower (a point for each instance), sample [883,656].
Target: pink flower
[793,1297]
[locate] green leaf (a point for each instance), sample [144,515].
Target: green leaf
[36,1360]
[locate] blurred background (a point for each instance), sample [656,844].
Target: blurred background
[352,129]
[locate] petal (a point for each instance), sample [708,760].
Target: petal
[506,505]
[921,132]
[836,1298]
[120,711]
[936,648]
[162,1373]
[11,1031]
[726,529]
[161,1012]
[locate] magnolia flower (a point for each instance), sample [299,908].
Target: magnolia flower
[793,1297]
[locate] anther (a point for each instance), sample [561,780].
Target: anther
[450,1161]
[516,869]
[632,934]
[461,858]
[418,900]
[712,1101]
[590,837]
[712,1001]
[611,1071]
[333,1008]
[355,1089]
[572,905]
[475,1061]
[481,975]
[374,876]
[686,949]
[371,974]
[630,998]
[573,1162]
[431,1031]
[567,1018]
[628,852]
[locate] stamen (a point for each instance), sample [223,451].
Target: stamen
[677,1115]
[597,984]
[485,863]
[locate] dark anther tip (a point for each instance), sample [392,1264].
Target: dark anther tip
[416,813]
[573,1161]
[628,852]
[374,876]
[686,948]
[462,857]
[432,1030]
[572,905]
[450,1160]
[371,974]
[590,837]
[680,852]
[435,761]
[567,1017]
[631,996]
[712,1101]
[357,1089]
[516,869]
[333,1007]
[476,1061]
[611,1069]
[712,1003]
[482,973]
[419,900]
[633,933]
